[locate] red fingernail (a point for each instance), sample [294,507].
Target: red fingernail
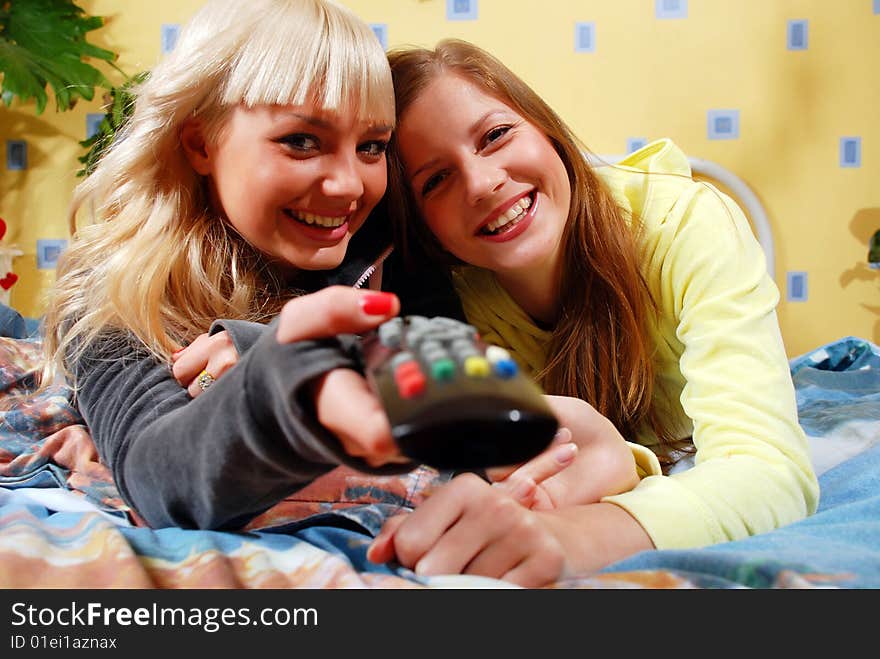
[377,304]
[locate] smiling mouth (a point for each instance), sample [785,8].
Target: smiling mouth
[317,221]
[510,218]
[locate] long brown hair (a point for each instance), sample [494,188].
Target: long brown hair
[601,349]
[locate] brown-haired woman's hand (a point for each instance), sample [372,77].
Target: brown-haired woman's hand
[587,460]
[470,527]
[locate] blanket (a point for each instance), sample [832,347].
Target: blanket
[64,525]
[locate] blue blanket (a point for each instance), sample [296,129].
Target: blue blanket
[838,393]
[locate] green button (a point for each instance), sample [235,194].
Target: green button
[443,369]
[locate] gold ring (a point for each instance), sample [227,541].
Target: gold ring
[205,380]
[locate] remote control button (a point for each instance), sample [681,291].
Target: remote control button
[476,366]
[443,369]
[402,358]
[496,354]
[505,368]
[435,355]
[410,383]
[404,368]
[390,333]
[432,349]
[502,362]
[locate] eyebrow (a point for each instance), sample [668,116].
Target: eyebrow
[474,130]
[329,125]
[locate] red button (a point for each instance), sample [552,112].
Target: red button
[409,379]
[410,385]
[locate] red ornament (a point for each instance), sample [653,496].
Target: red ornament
[7,281]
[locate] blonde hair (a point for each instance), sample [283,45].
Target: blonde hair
[601,348]
[156,260]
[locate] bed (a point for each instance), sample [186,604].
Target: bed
[63,524]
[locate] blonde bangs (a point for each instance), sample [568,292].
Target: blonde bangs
[334,60]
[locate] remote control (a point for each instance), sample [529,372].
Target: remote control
[453,401]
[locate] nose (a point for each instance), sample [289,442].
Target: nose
[483,179]
[343,177]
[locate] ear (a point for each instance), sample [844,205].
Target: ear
[192,138]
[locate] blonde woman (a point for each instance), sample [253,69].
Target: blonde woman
[254,154]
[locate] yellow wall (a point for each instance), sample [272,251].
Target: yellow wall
[646,78]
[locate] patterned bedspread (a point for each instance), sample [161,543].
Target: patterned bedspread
[64,525]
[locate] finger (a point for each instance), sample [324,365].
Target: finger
[189,361]
[425,526]
[381,550]
[360,424]
[536,571]
[214,353]
[539,469]
[521,488]
[562,436]
[334,310]
[482,528]
[216,368]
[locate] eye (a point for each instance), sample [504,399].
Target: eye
[433,181]
[301,142]
[373,148]
[494,135]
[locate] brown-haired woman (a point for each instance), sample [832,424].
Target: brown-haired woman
[629,286]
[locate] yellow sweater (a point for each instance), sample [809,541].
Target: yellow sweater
[722,371]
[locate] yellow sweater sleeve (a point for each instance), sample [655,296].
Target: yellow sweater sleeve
[752,468]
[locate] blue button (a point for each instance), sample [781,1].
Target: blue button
[505,368]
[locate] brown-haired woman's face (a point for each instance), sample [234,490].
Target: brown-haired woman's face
[488,183]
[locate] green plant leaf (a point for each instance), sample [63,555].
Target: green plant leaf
[43,43]
[117,109]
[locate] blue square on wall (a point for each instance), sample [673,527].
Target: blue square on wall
[797,35]
[671,9]
[850,151]
[723,124]
[48,251]
[877,6]
[461,10]
[585,37]
[796,286]
[170,32]
[381,32]
[16,155]
[635,143]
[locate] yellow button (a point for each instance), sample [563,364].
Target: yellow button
[476,366]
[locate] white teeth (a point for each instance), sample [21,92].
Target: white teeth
[513,214]
[321,220]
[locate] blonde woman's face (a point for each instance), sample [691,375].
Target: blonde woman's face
[488,183]
[296,181]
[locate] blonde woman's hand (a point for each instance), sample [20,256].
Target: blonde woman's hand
[214,354]
[344,403]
